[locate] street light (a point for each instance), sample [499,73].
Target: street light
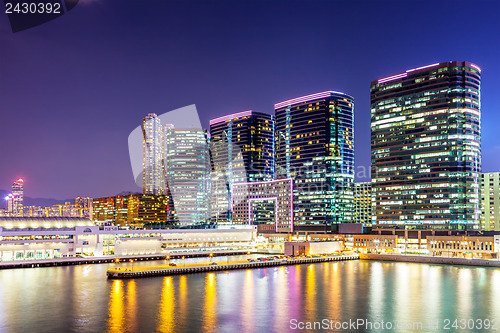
[132,262]
[116,262]
[183,261]
[211,255]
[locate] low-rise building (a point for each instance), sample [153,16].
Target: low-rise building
[312,248]
[52,238]
[269,205]
[484,247]
[376,243]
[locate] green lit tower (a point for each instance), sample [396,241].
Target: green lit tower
[315,147]
[426,147]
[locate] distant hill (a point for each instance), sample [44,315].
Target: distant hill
[43,202]
[28,201]
[127,193]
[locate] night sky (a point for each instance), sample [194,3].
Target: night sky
[73,89]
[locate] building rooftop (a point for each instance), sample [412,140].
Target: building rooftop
[43,222]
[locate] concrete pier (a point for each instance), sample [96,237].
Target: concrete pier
[125,274]
[431,260]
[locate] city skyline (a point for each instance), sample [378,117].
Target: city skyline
[250,166]
[108,97]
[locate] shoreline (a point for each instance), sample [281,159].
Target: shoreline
[430,260]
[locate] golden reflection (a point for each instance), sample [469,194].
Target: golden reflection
[333,282]
[116,313]
[131,305]
[167,306]
[310,304]
[282,299]
[248,302]
[183,313]
[210,310]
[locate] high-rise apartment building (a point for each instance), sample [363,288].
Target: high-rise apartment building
[242,150]
[187,164]
[315,147]
[153,168]
[490,201]
[10,203]
[426,146]
[363,203]
[83,202]
[18,192]
[15,201]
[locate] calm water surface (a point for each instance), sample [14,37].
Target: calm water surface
[81,299]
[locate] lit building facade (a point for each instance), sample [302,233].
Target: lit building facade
[10,204]
[363,203]
[16,200]
[132,210]
[269,205]
[153,168]
[242,150]
[315,147]
[426,146]
[490,201]
[83,202]
[187,164]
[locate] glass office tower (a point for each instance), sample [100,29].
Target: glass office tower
[315,146]
[187,165]
[242,150]
[153,168]
[426,146]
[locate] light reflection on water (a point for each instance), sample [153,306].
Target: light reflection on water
[80,298]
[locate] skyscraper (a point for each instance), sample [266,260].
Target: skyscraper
[187,163]
[426,146]
[315,147]
[153,168]
[242,150]
[17,195]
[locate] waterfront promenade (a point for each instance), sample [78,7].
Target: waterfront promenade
[430,259]
[117,273]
